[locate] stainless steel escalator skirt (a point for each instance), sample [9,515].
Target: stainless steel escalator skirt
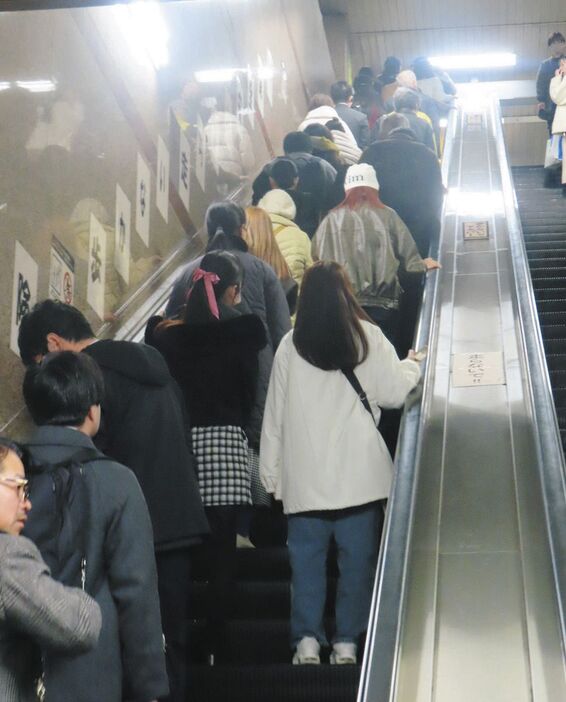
[470,588]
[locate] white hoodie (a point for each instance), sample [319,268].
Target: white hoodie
[349,149]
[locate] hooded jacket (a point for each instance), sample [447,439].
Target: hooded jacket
[229,145]
[216,366]
[371,243]
[415,190]
[295,244]
[262,295]
[128,663]
[145,427]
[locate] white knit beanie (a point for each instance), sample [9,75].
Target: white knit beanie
[361,175]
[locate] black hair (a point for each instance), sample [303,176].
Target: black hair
[328,333]
[226,217]
[284,171]
[341,91]
[61,389]
[394,120]
[391,66]
[230,271]
[335,125]
[297,142]
[7,445]
[318,130]
[366,73]
[556,38]
[50,317]
[422,68]
[406,99]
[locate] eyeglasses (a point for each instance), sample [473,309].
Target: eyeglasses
[21,485]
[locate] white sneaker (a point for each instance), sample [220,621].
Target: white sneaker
[243,542]
[344,653]
[308,652]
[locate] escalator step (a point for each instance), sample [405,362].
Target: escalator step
[551,306]
[274,683]
[554,346]
[554,331]
[552,294]
[558,379]
[536,246]
[549,273]
[556,361]
[552,317]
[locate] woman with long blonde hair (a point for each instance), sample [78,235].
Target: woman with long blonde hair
[258,235]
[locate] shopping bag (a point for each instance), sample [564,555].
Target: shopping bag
[553,155]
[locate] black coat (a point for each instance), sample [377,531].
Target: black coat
[357,121]
[262,295]
[128,663]
[216,366]
[144,427]
[410,181]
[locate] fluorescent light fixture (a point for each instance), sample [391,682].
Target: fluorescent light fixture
[4,84]
[443,123]
[37,86]
[146,31]
[217,75]
[501,60]
[474,204]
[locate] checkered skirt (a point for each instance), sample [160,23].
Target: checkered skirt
[222,461]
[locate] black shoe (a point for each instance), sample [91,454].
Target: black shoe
[564,190]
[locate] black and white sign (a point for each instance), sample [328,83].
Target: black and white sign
[162,197]
[61,273]
[24,291]
[143,200]
[96,267]
[184,170]
[200,156]
[122,234]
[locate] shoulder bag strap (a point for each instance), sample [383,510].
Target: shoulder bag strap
[360,392]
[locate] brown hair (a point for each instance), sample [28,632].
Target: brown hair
[258,235]
[320,100]
[328,333]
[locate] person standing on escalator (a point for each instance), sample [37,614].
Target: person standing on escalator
[323,456]
[557,92]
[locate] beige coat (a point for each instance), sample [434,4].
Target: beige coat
[557,92]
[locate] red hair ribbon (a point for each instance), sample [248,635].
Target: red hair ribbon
[210,279]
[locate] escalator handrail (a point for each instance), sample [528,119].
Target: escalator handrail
[548,443]
[378,674]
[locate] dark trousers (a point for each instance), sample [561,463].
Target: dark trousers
[220,558]
[387,320]
[174,577]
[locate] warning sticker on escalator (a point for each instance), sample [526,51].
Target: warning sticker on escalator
[474,369]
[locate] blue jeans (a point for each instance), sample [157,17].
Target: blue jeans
[357,532]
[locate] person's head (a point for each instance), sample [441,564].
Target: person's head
[422,68]
[391,66]
[387,123]
[52,326]
[284,175]
[65,390]
[226,217]
[407,100]
[407,79]
[341,91]
[297,142]
[328,333]
[323,143]
[366,74]
[361,187]
[14,498]
[557,44]
[279,202]
[319,130]
[217,281]
[335,125]
[262,242]
[320,100]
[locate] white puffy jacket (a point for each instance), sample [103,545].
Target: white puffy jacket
[319,446]
[346,142]
[229,145]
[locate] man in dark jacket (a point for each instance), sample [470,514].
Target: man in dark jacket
[117,567]
[343,95]
[144,426]
[407,102]
[316,180]
[546,107]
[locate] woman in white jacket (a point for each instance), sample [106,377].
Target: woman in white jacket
[557,92]
[323,456]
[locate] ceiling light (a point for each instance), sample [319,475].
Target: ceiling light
[37,86]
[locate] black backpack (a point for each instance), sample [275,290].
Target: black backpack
[60,521]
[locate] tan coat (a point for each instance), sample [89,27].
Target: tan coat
[557,92]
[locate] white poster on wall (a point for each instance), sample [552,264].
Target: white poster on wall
[184,170]
[269,76]
[122,235]
[61,273]
[96,267]
[143,200]
[24,292]
[284,86]
[260,85]
[162,196]
[200,156]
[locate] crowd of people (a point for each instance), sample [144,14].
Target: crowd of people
[262,383]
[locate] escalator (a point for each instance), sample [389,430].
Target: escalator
[470,594]
[543,220]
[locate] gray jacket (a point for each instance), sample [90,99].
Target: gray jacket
[36,610]
[371,243]
[357,121]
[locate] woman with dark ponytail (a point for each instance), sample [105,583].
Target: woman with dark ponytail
[262,295]
[212,351]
